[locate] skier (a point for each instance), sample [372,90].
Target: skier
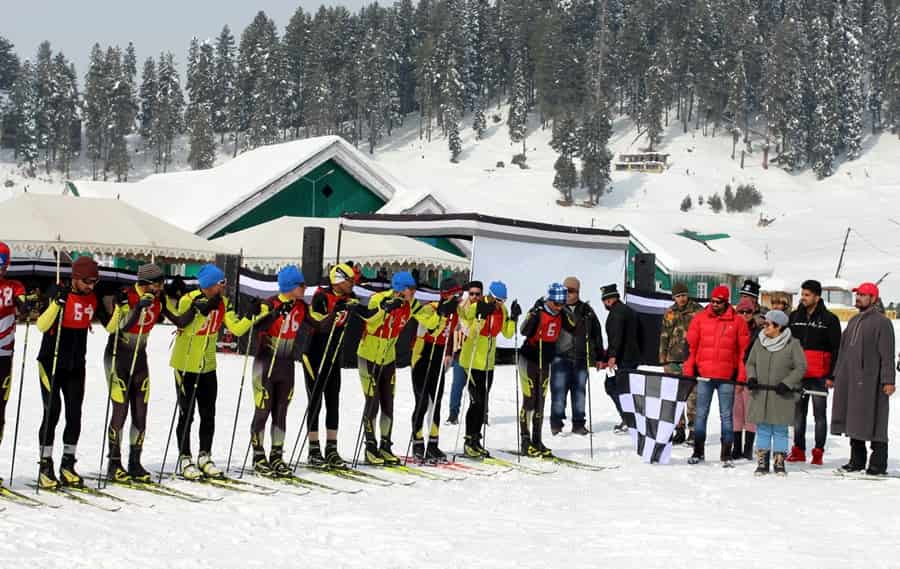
[484,320]
[61,366]
[280,322]
[13,301]
[377,354]
[194,362]
[474,293]
[541,329]
[138,309]
[327,346]
[673,350]
[623,351]
[430,359]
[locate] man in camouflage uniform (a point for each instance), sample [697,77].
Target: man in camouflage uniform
[673,348]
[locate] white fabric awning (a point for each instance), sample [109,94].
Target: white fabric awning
[272,245]
[36,223]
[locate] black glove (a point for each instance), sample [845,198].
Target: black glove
[285,308]
[175,288]
[61,295]
[448,307]
[391,304]
[485,309]
[145,302]
[782,389]
[515,310]
[752,383]
[205,305]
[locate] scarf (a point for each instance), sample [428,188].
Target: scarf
[777,343]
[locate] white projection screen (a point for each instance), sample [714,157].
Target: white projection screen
[528,268]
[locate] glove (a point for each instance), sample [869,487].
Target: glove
[122,297]
[285,308]
[61,296]
[205,305]
[145,302]
[347,304]
[515,310]
[175,288]
[448,307]
[782,389]
[391,304]
[485,309]
[752,383]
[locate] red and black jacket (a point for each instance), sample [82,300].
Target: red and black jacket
[820,335]
[541,330]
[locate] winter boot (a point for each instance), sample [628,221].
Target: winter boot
[797,455]
[115,473]
[817,455]
[315,457]
[276,461]
[373,456]
[67,474]
[580,429]
[47,479]
[878,459]
[689,441]
[261,464]
[135,469]
[332,457]
[725,455]
[419,450]
[778,469]
[762,462]
[387,454]
[857,457]
[453,420]
[189,470]
[555,429]
[699,450]
[737,447]
[208,467]
[678,438]
[749,441]
[621,429]
[434,453]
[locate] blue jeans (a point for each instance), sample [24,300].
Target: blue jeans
[769,436]
[705,391]
[567,375]
[456,390]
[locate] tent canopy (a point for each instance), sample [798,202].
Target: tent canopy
[37,223]
[272,245]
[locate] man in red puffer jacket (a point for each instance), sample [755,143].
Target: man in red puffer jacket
[717,340]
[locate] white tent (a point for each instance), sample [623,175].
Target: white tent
[34,224]
[269,246]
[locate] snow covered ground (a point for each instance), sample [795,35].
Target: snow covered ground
[636,516]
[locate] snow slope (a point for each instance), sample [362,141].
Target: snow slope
[637,516]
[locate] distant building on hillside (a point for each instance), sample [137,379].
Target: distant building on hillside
[655,162]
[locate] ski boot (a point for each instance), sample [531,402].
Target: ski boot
[208,467]
[762,463]
[529,448]
[261,463]
[389,457]
[278,465]
[115,473]
[135,469]
[332,457]
[419,450]
[779,469]
[435,454]
[189,470]
[545,452]
[472,448]
[373,456]
[67,474]
[315,458]
[47,479]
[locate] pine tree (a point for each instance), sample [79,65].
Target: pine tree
[406,61]
[259,79]
[43,91]
[64,117]
[168,113]
[518,103]
[96,109]
[878,53]
[201,94]
[686,204]
[892,87]
[202,154]
[654,104]
[296,44]
[225,83]
[784,89]
[24,102]
[190,74]
[854,103]
[373,97]
[824,131]
[148,99]
[565,143]
[9,64]
[596,158]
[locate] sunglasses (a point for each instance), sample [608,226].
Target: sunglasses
[745,312]
[573,290]
[475,294]
[91,282]
[717,301]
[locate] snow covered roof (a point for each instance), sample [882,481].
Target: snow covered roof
[206,201]
[35,223]
[272,245]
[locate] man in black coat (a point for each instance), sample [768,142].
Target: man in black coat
[623,350]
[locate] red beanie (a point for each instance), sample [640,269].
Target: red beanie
[722,292]
[85,268]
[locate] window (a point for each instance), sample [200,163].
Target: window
[702,290]
[327,191]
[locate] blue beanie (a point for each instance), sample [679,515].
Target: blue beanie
[209,275]
[402,281]
[498,290]
[289,278]
[557,293]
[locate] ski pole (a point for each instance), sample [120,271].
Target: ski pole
[479,322]
[587,357]
[240,393]
[12,468]
[375,379]
[109,379]
[49,404]
[419,400]
[518,405]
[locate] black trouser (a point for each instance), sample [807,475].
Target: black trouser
[5,389]
[610,385]
[535,380]
[428,388]
[877,461]
[819,405]
[272,394]
[323,391]
[68,386]
[479,388]
[125,393]
[205,402]
[378,383]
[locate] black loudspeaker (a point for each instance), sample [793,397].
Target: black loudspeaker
[645,272]
[231,266]
[313,252]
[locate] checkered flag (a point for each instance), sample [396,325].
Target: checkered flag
[651,405]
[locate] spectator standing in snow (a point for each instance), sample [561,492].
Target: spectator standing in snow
[673,349]
[750,291]
[743,446]
[623,351]
[863,382]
